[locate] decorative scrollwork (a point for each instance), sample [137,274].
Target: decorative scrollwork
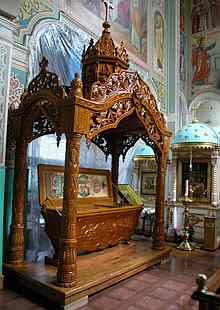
[104,143]
[150,126]
[152,144]
[118,82]
[111,115]
[15,91]
[44,120]
[105,47]
[127,143]
[42,126]
[44,80]
[129,82]
[11,136]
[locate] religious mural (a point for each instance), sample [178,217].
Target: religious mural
[129,22]
[29,8]
[205,15]
[158,41]
[205,45]
[206,62]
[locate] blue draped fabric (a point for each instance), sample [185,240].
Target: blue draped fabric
[63,47]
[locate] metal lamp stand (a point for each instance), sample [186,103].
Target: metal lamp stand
[185,244]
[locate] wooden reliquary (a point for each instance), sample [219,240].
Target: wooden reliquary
[101,222]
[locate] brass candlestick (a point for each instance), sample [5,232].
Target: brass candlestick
[185,244]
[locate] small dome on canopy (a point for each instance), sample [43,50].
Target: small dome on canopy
[196,133]
[143,151]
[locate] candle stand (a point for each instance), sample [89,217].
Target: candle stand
[185,244]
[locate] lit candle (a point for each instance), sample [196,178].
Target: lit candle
[190,161]
[187,188]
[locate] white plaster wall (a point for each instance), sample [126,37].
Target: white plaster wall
[207,107]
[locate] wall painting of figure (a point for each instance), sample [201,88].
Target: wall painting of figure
[206,62]
[158,41]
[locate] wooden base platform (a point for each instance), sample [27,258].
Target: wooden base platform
[96,271]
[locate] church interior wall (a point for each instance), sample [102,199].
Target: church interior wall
[145,42]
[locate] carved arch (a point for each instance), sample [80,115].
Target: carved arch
[110,113]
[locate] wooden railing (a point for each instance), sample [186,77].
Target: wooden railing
[207,291]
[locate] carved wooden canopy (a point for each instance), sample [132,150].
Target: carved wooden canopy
[121,108]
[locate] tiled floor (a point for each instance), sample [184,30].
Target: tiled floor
[166,287]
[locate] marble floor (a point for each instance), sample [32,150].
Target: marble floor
[167,286]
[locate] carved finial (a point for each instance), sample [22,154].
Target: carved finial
[108,7]
[77,86]
[43,64]
[201,281]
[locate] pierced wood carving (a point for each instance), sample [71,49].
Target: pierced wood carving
[44,80]
[110,116]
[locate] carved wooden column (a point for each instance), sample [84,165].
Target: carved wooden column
[158,234]
[214,195]
[115,163]
[67,269]
[16,254]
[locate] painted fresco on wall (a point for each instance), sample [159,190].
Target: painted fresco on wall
[29,8]
[206,62]
[129,22]
[160,91]
[15,91]
[182,45]
[205,15]
[158,41]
